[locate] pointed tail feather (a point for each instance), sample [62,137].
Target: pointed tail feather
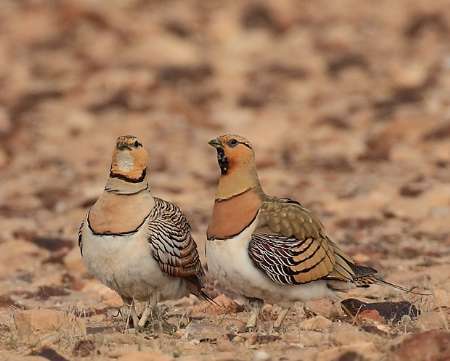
[366,276]
[361,276]
[404,289]
[204,296]
[197,286]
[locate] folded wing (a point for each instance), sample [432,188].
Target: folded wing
[171,242]
[290,246]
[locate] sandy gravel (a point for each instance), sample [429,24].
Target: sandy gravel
[347,104]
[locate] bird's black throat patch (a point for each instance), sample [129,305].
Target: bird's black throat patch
[223,161]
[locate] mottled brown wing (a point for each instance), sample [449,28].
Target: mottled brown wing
[172,244]
[294,244]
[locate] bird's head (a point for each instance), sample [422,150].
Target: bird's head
[129,160]
[236,160]
[234,153]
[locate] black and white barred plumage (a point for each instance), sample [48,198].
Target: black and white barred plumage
[171,241]
[276,256]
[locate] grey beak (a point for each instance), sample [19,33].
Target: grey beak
[215,143]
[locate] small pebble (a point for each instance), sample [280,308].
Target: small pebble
[252,339]
[261,355]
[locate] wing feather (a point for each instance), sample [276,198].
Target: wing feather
[295,239]
[172,244]
[291,247]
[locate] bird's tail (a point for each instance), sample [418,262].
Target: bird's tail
[197,285]
[366,276]
[401,288]
[361,276]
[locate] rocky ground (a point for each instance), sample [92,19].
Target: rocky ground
[347,104]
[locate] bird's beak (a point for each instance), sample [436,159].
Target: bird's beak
[216,143]
[122,146]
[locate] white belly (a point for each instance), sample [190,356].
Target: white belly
[230,264]
[125,264]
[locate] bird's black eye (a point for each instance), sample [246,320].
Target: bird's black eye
[233,142]
[137,144]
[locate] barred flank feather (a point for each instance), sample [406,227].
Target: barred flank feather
[172,244]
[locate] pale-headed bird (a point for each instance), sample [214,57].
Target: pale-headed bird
[137,244]
[267,248]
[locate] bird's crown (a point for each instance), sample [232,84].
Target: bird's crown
[127,142]
[230,141]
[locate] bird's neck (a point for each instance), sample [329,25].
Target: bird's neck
[120,184]
[237,181]
[233,215]
[122,207]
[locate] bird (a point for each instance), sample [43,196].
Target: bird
[135,243]
[270,249]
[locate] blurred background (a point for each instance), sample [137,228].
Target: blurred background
[347,104]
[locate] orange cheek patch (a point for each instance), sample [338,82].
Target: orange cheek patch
[140,157]
[140,163]
[135,173]
[237,157]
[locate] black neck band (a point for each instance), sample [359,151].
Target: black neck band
[127,179]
